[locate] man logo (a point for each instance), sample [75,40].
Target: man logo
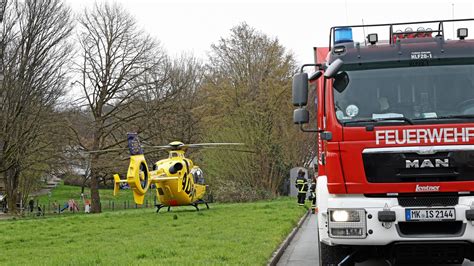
[427,163]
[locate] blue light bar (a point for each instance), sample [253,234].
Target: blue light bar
[343,35]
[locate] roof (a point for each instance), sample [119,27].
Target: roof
[422,52]
[424,46]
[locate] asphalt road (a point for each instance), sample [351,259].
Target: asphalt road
[304,250]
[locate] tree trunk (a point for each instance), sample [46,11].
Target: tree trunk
[11,181]
[11,201]
[95,196]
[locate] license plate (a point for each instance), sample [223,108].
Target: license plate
[430,214]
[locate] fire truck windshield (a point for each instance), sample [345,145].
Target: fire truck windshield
[414,93]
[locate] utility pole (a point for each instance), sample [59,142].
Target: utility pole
[347,17]
[452,9]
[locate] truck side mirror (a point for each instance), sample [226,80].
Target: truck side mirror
[300,116]
[300,89]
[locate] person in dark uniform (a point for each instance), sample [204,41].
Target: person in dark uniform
[302,186]
[31,205]
[312,196]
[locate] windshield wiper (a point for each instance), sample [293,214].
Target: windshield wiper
[461,116]
[376,120]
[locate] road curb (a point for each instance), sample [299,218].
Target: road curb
[279,252]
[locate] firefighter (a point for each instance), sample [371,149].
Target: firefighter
[302,186]
[312,196]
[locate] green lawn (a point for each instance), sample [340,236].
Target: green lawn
[240,233]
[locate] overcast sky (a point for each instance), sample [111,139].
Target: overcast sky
[192,26]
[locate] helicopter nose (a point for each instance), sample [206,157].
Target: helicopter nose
[175,168]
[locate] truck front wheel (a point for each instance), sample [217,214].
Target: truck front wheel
[332,255]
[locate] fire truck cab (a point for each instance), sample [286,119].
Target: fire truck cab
[395,127]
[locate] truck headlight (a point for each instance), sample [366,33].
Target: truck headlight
[345,216]
[347,223]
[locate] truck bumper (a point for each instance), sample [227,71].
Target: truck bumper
[432,252]
[400,232]
[415,252]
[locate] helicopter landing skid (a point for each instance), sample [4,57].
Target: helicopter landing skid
[194,204]
[159,206]
[201,202]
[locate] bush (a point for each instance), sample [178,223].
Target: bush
[231,191]
[76,180]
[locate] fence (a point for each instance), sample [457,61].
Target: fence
[50,208]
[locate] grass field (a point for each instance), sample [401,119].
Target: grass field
[240,233]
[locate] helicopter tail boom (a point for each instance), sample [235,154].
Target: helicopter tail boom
[162,178]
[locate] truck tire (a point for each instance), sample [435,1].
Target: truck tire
[332,255]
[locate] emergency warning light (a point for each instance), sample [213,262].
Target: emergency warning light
[342,35]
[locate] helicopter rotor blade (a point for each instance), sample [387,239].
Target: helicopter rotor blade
[106,150]
[204,145]
[167,147]
[230,149]
[154,150]
[163,147]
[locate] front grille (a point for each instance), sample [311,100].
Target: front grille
[400,167]
[428,201]
[429,253]
[431,229]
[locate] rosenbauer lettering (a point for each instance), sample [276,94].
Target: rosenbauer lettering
[424,136]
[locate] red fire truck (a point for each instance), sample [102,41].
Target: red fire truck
[395,127]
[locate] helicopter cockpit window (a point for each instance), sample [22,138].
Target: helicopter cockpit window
[201,178]
[198,176]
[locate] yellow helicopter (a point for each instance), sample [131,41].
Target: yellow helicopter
[177,180]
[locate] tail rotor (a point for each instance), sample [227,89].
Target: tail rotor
[138,175]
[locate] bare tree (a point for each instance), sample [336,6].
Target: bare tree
[173,107]
[117,62]
[36,57]
[247,92]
